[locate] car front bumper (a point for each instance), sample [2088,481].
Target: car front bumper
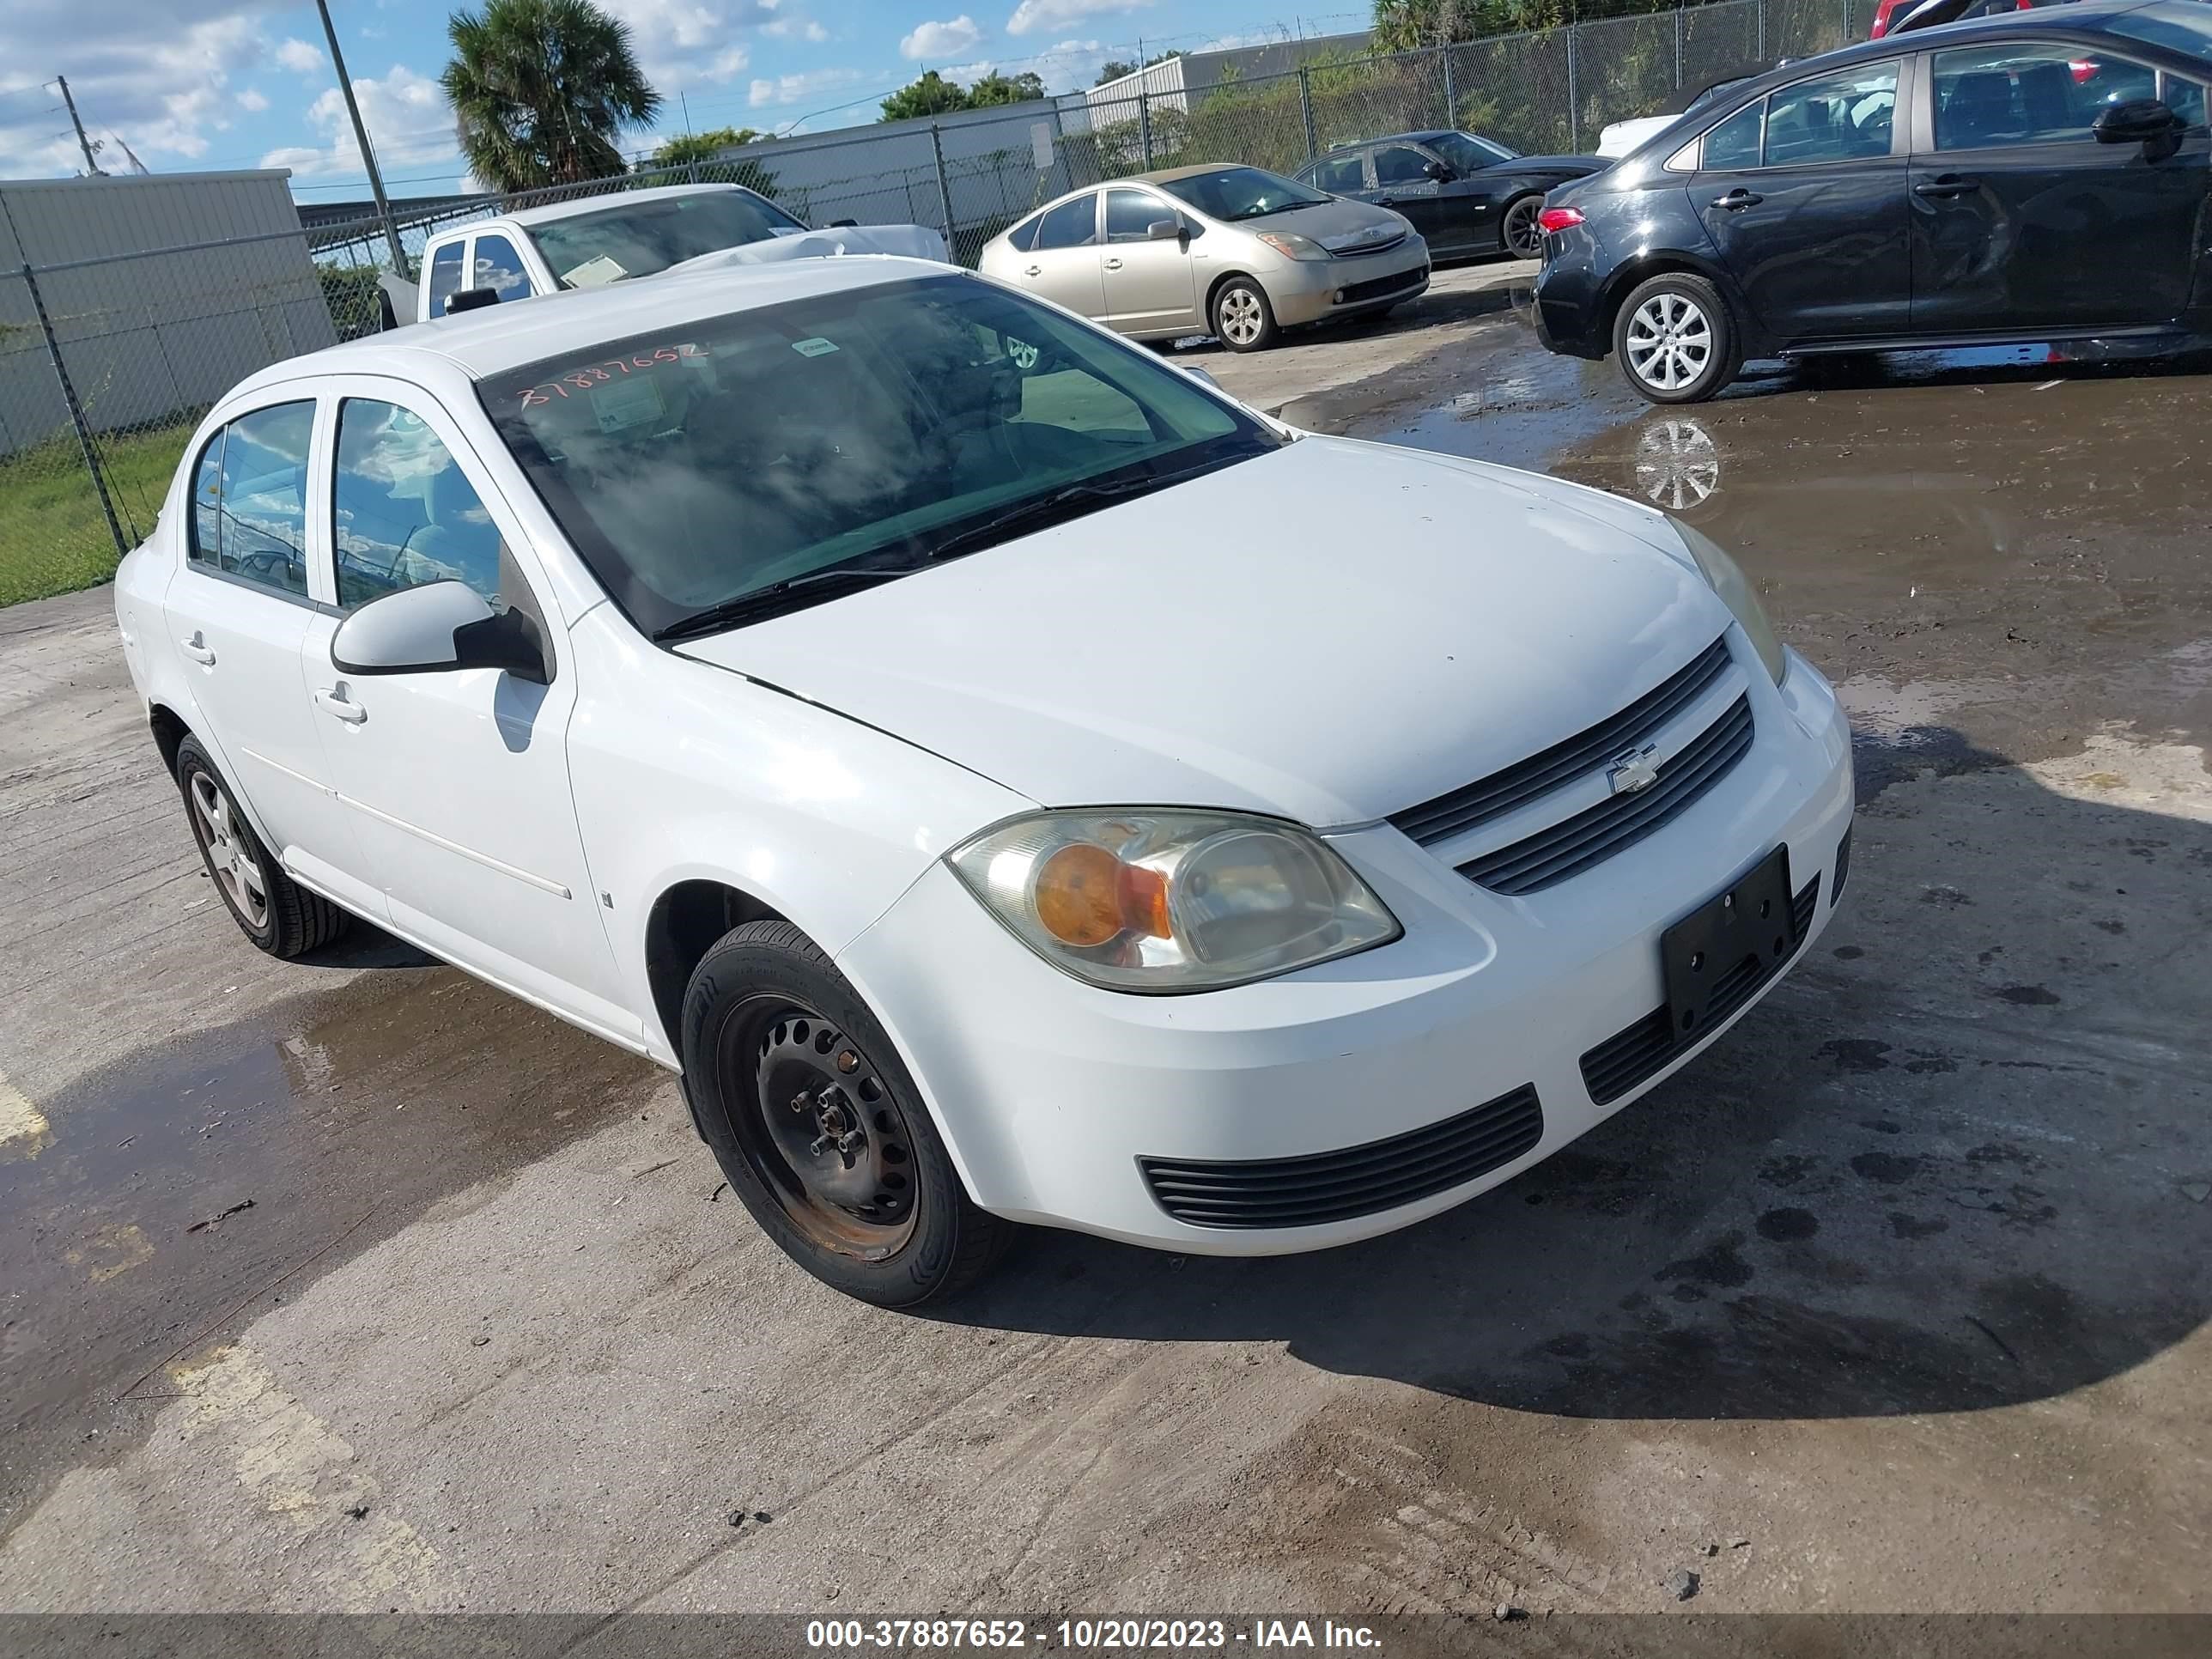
[1049,1091]
[1313,290]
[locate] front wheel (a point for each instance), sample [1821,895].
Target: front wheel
[1242,319]
[1520,232]
[821,1134]
[1676,340]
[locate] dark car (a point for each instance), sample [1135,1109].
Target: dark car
[2039,175]
[1465,195]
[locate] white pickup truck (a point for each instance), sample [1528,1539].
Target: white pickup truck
[638,232]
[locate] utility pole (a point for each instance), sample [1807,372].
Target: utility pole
[83,143]
[361,137]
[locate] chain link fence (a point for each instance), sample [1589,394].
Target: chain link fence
[106,366]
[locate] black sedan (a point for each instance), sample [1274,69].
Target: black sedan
[1465,195]
[2036,176]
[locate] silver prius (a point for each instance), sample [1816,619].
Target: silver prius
[1230,251]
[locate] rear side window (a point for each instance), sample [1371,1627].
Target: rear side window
[1734,142]
[250,498]
[1340,177]
[445,276]
[2184,98]
[1072,224]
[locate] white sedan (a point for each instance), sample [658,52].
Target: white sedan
[1010,780]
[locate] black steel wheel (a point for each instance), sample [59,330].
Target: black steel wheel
[1519,233]
[810,1110]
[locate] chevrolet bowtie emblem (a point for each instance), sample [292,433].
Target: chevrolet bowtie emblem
[1633,771]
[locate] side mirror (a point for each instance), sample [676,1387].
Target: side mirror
[1441,171]
[1163,230]
[438,628]
[2137,121]
[470,299]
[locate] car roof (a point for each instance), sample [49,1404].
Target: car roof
[1168,175]
[496,338]
[552,210]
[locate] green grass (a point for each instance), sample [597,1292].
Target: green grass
[53,538]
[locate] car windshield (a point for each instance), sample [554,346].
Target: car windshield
[699,467]
[2176,28]
[1232,193]
[1468,153]
[639,238]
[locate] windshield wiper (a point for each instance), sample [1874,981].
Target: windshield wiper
[792,593]
[1043,512]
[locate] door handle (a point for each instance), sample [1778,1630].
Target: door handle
[1113,265]
[1948,185]
[196,648]
[1738,199]
[1033,271]
[339,706]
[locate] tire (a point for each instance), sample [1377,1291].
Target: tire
[1242,319]
[1691,346]
[1519,235]
[780,1056]
[278,915]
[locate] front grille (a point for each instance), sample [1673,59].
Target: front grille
[1842,869]
[1356,1181]
[1352,294]
[1627,1058]
[1571,846]
[1500,793]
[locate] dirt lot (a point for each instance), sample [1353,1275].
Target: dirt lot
[1894,1301]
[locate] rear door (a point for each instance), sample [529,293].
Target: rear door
[1063,263]
[1804,194]
[2021,220]
[240,613]
[1148,284]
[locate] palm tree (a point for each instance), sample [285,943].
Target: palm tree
[540,88]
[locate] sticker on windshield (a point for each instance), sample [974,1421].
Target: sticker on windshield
[813,348]
[620,404]
[594,272]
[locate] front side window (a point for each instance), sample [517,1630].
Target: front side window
[1234,193]
[1997,96]
[1130,215]
[872,430]
[636,239]
[445,276]
[249,498]
[499,267]
[1401,164]
[1839,117]
[1468,153]
[1072,224]
[403,512]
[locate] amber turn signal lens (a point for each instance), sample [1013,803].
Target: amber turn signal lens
[1087,897]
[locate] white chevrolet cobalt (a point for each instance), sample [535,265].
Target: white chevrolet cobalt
[1009,780]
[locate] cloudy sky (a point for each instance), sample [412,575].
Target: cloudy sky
[211,84]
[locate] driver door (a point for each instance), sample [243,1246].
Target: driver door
[1149,286]
[456,782]
[1403,185]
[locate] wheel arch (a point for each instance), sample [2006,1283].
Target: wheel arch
[1663,262]
[170,730]
[681,926]
[1214,291]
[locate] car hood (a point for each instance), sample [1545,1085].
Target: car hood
[1340,226]
[1330,633]
[1573,167]
[912,241]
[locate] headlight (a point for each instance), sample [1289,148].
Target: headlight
[1735,591]
[1162,900]
[1292,245]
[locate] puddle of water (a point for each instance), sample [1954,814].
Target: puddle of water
[174,1186]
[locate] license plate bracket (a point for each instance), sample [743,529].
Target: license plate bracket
[1711,959]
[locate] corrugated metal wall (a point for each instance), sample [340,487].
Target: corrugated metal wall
[150,333]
